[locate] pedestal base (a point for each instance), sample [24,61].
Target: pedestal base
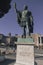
[25,52]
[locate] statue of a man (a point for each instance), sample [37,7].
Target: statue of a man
[25,20]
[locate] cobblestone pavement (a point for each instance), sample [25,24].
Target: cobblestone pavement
[39,59]
[39,56]
[11,58]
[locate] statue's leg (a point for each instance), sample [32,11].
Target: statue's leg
[24,32]
[29,32]
[27,29]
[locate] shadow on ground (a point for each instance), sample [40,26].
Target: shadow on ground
[8,61]
[39,57]
[35,63]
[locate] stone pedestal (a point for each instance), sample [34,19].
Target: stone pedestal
[25,51]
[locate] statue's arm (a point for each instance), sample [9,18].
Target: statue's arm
[15,7]
[18,13]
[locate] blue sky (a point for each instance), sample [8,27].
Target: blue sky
[8,23]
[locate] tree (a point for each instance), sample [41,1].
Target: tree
[4,7]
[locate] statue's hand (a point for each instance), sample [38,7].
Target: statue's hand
[15,5]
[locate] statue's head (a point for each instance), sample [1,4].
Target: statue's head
[25,7]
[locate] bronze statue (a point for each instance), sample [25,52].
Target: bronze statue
[25,20]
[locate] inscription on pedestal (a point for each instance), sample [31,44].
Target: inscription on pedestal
[25,54]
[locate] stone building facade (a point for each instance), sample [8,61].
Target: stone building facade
[38,39]
[8,40]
